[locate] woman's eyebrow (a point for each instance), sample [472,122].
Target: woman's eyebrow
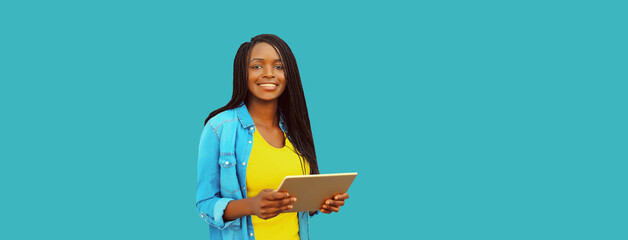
[261,59]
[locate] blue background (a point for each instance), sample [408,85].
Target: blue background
[464,119]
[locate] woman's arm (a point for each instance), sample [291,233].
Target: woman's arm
[210,205]
[267,204]
[237,209]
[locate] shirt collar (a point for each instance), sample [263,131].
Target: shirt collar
[247,121]
[244,116]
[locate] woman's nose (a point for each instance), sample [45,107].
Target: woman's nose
[268,72]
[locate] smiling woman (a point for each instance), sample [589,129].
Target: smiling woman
[248,146]
[266,77]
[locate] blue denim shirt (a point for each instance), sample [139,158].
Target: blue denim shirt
[224,150]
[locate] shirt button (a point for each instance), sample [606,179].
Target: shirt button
[227,162]
[252,129]
[202,216]
[244,163]
[250,142]
[251,234]
[244,188]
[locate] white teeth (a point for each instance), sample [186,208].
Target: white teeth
[267,85]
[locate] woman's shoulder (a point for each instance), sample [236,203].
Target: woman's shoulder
[218,121]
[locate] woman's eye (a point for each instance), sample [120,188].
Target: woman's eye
[279,67]
[256,67]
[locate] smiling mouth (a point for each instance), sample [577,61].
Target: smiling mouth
[267,85]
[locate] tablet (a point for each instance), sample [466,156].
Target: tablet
[312,190]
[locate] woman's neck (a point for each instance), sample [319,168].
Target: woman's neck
[263,113]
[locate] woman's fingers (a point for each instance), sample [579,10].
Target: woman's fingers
[287,201]
[284,204]
[335,203]
[335,209]
[274,195]
[278,202]
[285,208]
[269,203]
[273,211]
[330,208]
[342,196]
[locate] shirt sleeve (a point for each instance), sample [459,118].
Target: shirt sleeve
[210,205]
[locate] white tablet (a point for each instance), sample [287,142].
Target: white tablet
[312,190]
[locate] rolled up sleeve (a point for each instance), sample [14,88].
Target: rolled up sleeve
[210,205]
[212,210]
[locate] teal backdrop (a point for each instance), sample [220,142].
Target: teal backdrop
[464,119]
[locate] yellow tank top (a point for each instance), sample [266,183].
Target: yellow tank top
[266,168]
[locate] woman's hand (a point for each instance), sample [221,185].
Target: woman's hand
[334,203]
[269,203]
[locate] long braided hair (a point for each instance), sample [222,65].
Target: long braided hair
[291,103]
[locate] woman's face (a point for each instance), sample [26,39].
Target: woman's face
[266,73]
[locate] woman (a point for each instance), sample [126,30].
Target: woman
[248,146]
